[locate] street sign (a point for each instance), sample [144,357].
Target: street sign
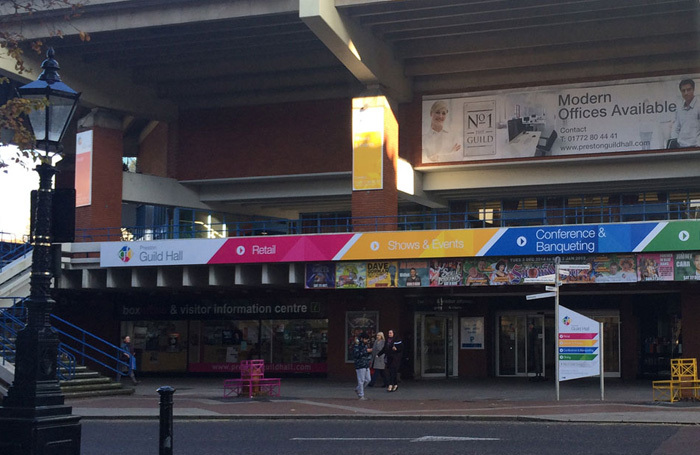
[550,288]
[540,279]
[574,267]
[542,295]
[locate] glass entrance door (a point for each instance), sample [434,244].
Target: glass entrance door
[521,342]
[436,343]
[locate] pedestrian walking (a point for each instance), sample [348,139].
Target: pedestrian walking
[378,361]
[392,350]
[128,356]
[362,354]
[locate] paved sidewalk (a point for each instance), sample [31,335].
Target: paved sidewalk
[495,398]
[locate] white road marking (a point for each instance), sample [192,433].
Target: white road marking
[421,439]
[451,438]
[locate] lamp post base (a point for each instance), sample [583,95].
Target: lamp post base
[44,430]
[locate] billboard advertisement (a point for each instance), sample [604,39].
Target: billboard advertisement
[559,121]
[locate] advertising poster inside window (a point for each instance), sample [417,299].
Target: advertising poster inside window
[382,274]
[357,322]
[655,267]
[320,275]
[351,275]
[445,272]
[618,268]
[413,274]
[687,266]
[559,121]
[476,272]
[472,333]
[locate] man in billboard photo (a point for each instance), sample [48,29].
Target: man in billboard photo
[686,127]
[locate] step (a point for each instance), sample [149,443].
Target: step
[99,393]
[86,374]
[89,387]
[85,381]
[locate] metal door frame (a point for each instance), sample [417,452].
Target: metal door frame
[520,371]
[451,352]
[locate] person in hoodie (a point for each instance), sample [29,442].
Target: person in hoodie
[362,354]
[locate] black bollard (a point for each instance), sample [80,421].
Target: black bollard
[165,445]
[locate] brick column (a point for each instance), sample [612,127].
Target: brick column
[690,314]
[376,210]
[105,210]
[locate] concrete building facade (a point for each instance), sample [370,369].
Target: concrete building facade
[269,178]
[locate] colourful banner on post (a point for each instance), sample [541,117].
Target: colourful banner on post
[578,347]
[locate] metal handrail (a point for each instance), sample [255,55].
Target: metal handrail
[584,214]
[13,250]
[87,346]
[73,350]
[11,322]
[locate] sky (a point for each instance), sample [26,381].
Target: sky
[15,188]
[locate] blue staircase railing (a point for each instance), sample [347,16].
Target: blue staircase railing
[11,248]
[86,346]
[77,345]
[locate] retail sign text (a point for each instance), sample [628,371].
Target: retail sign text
[210,310]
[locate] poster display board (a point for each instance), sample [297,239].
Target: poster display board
[357,322]
[471,333]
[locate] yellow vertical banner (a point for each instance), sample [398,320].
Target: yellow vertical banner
[367,143]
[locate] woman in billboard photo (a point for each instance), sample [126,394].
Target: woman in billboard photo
[439,144]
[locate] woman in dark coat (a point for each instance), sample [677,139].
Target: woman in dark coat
[392,352]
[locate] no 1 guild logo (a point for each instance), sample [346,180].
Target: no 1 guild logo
[566,320]
[125,254]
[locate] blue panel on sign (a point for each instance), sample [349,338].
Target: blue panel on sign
[547,240]
[622,238]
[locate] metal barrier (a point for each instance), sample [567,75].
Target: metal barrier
[407,222]
[11,322]
[77,345]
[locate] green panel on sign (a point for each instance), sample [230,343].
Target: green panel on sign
[577,356]
[676,236]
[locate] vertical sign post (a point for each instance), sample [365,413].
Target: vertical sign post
[602,364]
[556,326]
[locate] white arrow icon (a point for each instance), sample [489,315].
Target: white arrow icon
[683,236]
[240,250]
[522,241]
[374,246]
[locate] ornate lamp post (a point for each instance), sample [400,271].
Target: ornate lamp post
[33,418]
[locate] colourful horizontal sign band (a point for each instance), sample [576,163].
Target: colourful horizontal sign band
[577,336]
[667,236]
[577,357]
[577,350]
[578,342]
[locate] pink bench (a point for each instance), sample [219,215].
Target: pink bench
[252,382]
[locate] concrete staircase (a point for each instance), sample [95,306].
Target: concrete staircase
[88,383]
[85,383]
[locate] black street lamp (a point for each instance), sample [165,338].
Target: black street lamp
[33,418]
